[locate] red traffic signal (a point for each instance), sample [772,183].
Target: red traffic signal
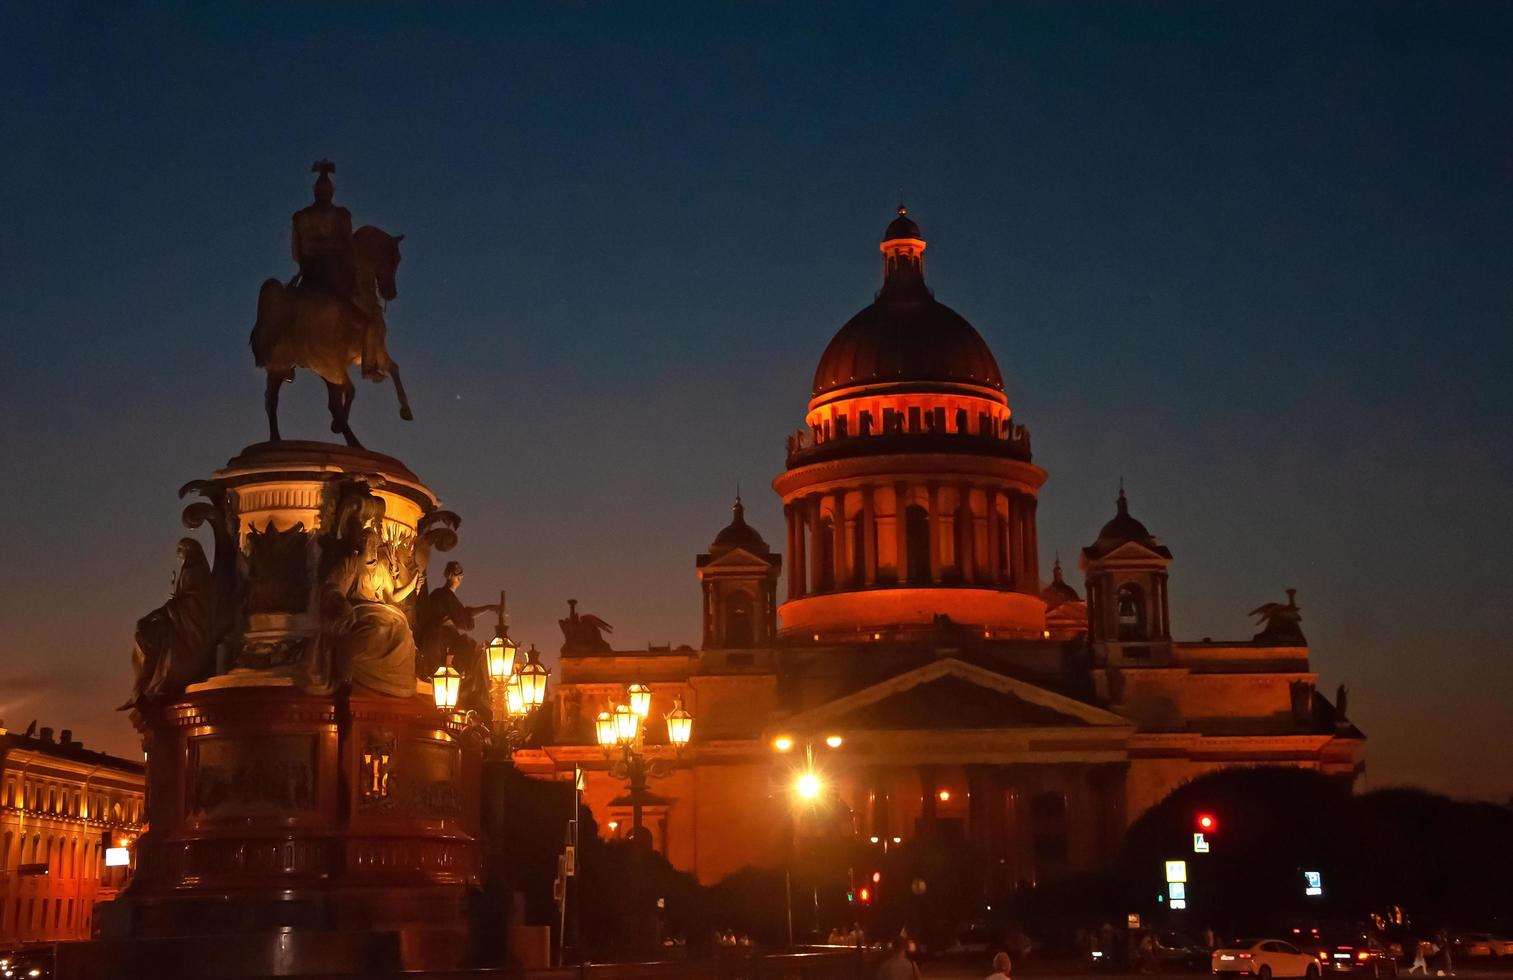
[1207,823]
[865,895]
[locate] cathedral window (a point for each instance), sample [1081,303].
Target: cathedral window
[1131,611]
[917,531]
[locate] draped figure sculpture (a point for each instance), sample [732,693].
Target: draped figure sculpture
[371,642]
[173,644]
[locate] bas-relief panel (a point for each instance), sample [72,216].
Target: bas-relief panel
[232,777]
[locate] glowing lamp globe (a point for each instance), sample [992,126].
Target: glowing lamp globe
[834,741]
[446,683]
[782,743]
[679,725]
[501,658]
[627,724]
[514,697]
[640,699]
[533,680]
[604,729]
[807,786]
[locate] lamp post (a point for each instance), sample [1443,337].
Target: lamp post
[806,787]
[517,687]
[622,731]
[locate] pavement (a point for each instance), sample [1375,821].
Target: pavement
[960,969]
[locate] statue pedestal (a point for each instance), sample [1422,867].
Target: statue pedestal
[293,831]
[274,812]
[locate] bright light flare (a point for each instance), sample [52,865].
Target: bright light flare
[834,741]
[808,785]
[783,743]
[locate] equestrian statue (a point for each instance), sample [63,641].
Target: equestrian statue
[330,315]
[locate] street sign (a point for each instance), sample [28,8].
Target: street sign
[117,857]
[1132,920]
[1176,871]
[1313,883]
[1177,890]
[1200,844]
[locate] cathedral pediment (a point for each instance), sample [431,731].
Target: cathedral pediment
[737,559]
[952,694]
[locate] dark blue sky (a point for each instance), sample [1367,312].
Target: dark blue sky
[1256,260]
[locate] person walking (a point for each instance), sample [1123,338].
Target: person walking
[1418,959]
[1001,966]
[898,966]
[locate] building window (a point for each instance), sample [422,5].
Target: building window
[1131,611]
[827,555]
[1048,824]
[737,621]
[917,532]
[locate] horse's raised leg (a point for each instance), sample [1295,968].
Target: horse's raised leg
[270,402]
[399,388]
[334,405]
[348,392]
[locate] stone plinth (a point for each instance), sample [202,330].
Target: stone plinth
[275,810]
[298,821]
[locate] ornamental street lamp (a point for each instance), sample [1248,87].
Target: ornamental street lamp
[623,731]
[517,688]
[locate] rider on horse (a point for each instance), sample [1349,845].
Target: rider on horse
[322,246]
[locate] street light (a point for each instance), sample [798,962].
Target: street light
[640,699]
[533,680]
[679,724]
[808,785]
[445,685]
[501,649]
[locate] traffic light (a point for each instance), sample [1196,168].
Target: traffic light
[877,877]
[1207,823]
[865,895]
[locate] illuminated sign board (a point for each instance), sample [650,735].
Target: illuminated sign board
[1313,883]
[117,857]
[1176,871]
[1200,844]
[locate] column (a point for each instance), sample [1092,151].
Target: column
[792,551]
[935,536]
[966,544]
[869,537]
[799,556]
[1011,525]
[1032,546]
[995,540]
[709,631]
[816,547]
[844,563]
[901,530]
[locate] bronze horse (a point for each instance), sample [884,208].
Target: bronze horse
[302,328]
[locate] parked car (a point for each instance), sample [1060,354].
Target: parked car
[1346,953]
[1474,944]
[1175,951]
[1265,958]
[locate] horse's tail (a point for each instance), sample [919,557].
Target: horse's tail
[268,328]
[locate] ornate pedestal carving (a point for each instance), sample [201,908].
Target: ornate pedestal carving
[310,809]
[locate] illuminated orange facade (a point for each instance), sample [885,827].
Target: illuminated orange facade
[63,807]
[971,698]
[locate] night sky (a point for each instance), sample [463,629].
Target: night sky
[1255,261]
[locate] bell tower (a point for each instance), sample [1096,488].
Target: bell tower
[739,576]
[1127,615]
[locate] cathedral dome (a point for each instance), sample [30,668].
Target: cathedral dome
[1058,592]
[739,534]
[906,340]
[905,336]
[1123,529]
